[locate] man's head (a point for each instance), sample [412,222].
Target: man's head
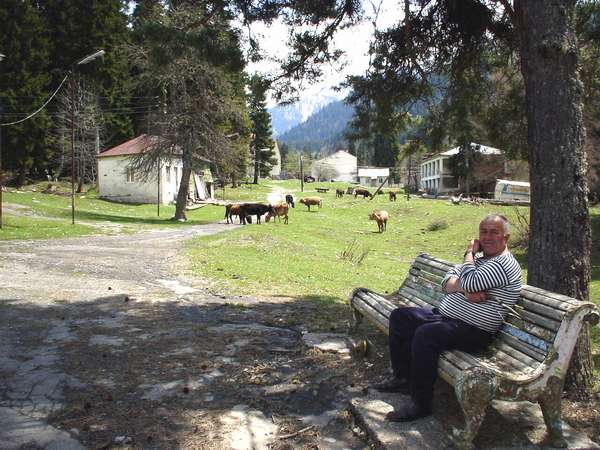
[493,234]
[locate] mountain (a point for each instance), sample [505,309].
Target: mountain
[286,117]
[324,128]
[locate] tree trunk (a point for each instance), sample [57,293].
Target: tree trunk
[256,165]
[559,247]
[184,187]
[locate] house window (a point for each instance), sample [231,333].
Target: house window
[168,171]
[130,175]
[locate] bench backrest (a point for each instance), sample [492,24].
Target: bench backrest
[528,334]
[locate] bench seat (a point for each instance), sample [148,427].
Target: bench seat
[527,360]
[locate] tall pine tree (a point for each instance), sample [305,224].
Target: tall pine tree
[262,143]
[24,83]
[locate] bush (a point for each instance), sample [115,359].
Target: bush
[437,225]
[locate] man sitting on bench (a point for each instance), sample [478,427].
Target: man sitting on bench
[478,295]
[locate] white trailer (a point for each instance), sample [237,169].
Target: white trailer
[507,190]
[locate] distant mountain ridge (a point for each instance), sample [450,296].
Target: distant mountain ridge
[324,128]
[283,118]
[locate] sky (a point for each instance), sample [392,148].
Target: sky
[354,41]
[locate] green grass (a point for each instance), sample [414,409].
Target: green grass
[42,216]
[303,258]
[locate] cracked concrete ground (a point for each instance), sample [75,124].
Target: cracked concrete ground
[106,341]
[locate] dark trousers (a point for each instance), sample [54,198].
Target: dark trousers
[417,338]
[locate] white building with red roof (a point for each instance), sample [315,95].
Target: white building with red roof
[119,181]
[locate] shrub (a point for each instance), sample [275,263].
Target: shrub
[437,225]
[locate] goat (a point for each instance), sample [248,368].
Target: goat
[279,209]
[381,217]
[364,192]
[392,195]
[308,201]
[255,209]
[339,193]
[456,200]
[289,199]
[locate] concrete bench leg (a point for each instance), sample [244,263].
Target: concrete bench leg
[357,319]
[475,390]
[550,402]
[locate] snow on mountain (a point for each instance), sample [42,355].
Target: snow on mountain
[283,118]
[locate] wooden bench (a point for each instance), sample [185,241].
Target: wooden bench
[322,190]
[528,359]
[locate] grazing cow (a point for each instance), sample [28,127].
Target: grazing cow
[279,209]
[308,201]
[392,195]
[381,217]
[339,192]
[361,191]
[255,209]
[234,209]
[289,199]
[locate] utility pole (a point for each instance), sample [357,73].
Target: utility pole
[301,176]
[72,86]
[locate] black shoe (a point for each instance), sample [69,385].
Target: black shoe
[406,413]
[399,385]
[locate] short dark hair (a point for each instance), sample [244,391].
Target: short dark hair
[505,225]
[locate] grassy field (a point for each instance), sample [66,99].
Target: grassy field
[28,213]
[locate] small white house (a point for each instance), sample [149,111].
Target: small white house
[373,176]
[340,166]
[118,180]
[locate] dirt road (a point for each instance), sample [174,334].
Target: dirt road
[107,341]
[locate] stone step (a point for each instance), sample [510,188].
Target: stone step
[508,425]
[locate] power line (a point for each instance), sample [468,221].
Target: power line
[41,107]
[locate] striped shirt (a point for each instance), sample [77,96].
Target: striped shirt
[499,277]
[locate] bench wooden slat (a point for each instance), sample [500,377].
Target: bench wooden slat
[436,279]
[547,297]
[380,321]
[378,303]
[524,336]
[419,298]
[436,288]
[434,270]
[516,353]
[530,350]
[547,327]
[542,310]
[428,292]
[430,261]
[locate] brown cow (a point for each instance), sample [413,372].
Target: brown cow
[308,201]
[362,191]
[392,195]
[234,209]
[381,217]
[279,209]
[339,193]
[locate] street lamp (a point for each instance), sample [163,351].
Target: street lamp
[1,111]
[85,60]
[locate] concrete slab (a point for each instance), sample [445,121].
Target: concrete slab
[423,434]
[18,431]
[508,425]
